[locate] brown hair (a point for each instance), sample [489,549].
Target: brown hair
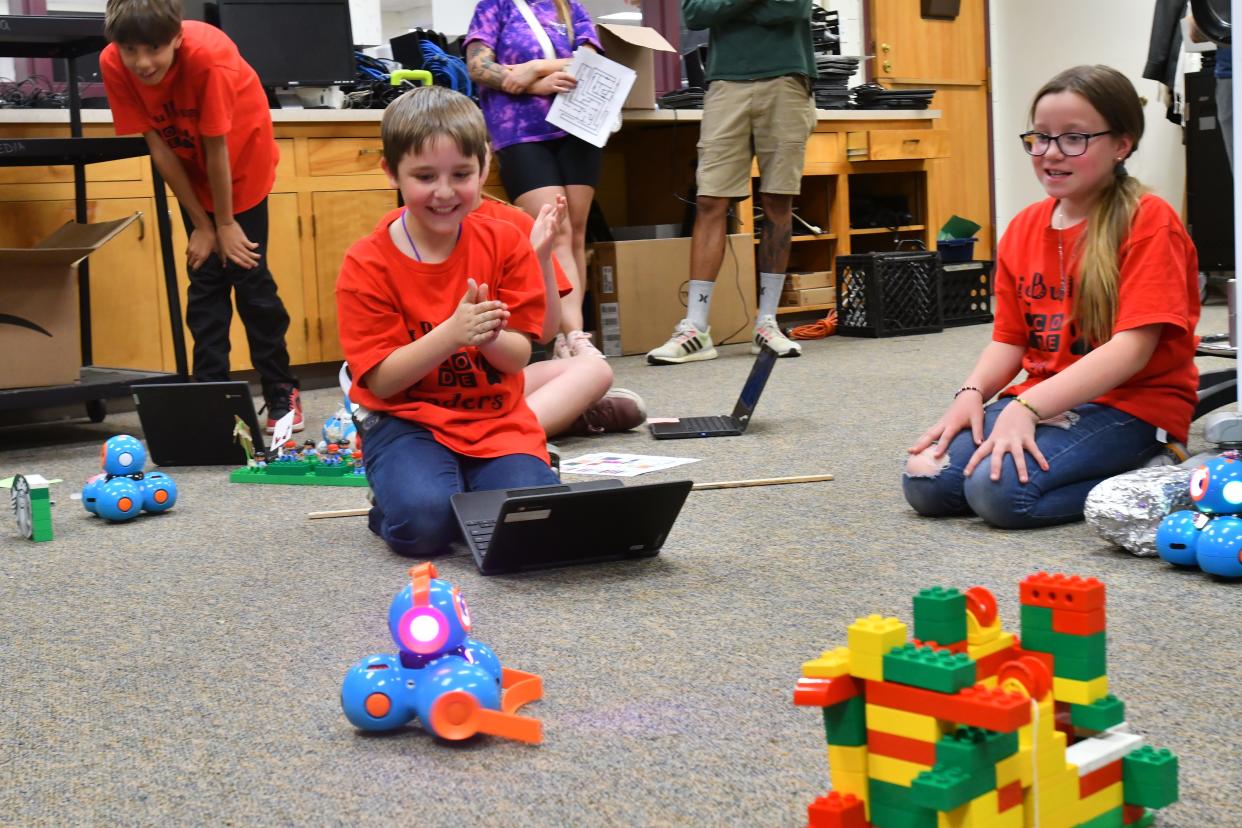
[567,18]
[1112,95]
[431,112]
[148,22]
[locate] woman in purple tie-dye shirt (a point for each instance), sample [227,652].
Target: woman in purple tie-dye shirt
[539,162]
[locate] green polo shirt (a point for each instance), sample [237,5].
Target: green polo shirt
[754,39]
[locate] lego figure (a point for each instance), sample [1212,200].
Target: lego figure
[260,459]
[332,455]
[309,452]
[450,682]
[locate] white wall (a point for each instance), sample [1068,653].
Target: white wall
[1031,42]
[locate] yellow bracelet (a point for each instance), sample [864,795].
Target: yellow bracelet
[1028,407]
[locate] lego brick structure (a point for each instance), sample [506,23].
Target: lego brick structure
[968,726]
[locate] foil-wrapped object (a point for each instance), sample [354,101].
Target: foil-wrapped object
[1128,508]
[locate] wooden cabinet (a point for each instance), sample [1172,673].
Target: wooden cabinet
[908,45]
[341,218]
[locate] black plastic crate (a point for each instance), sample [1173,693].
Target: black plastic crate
[889,294]
[967,293]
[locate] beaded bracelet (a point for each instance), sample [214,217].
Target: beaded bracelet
[1028,407]
[966,388]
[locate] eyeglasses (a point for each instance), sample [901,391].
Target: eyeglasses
[1069,143]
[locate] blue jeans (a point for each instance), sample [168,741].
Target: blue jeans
[412,477]
[1101,442]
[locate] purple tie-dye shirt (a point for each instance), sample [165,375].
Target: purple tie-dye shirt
[517,119]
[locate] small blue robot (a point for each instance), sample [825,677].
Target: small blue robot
[122,491]
[448,681]
[1209,536]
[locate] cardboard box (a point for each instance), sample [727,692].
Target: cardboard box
[809,297]
[815,279]
[633,46]
[39,329]
[640,291]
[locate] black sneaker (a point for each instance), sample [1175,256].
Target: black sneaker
[280,401]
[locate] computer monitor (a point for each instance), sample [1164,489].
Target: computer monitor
[302,43]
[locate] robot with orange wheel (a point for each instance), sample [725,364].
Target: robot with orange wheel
[451,683]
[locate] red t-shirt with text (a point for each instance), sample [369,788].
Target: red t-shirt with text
[520,219]
[385,300]
[1158,285]
[209,91]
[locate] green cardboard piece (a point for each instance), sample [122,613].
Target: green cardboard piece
[957,228]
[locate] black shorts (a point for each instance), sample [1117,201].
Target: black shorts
[557,163]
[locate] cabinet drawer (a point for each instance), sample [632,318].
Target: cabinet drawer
[899,144]
[823,148]
[123,169]
[344,156]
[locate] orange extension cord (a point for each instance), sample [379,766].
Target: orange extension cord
[817,330]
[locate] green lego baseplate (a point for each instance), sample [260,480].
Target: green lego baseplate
[299,473]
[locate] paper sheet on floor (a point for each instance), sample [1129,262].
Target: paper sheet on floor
[612,464]
[593,107]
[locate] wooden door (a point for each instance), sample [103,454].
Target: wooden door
[949,56]
[341,218]
[126,314]
[284,260]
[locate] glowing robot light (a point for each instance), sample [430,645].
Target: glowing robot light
[1210,535]
[451,683]
[123,490]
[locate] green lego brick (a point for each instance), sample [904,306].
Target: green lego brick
[1079,657]
[308,474]
[1147,820]
[1100,714]
[1037,628]
[973,748]
[845,724]
[939,604]
[1109,819]
[893,798]
[1149,777]
[929,668]
[941,632]
[944,788]
[886,816]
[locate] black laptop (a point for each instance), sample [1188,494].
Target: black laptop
[512,530]
[191,423]
[725,425]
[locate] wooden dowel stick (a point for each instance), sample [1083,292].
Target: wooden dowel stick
[698,487]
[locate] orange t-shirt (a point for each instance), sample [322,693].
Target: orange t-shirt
[208,91]
[520,219]
[385,300]
[1159,284]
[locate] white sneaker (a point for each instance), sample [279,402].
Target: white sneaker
[767,332]
[580,342]
[560,347]
[687,344]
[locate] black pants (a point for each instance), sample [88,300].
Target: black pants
[209,310]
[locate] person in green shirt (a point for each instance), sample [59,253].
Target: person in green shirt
[760,66]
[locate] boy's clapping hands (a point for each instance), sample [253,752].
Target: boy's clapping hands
[543,233]
[478,320]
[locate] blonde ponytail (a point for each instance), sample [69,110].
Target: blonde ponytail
[1095,300]
[567,17]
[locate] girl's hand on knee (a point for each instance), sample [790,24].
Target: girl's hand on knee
[965,412]
[1013,433]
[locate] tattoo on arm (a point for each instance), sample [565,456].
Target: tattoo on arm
[481,61]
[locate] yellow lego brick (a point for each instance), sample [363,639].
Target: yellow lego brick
[1050,758]
[1058,793]
[874,634]
[1099,802]
[894,771]
[867,665]
[1002,641]
[910,725]
[989,682]
[976,633]
[1014,768]
[1045,719]
[980,812]
[1079,692]
[852,783]
[848,759]
[830,664]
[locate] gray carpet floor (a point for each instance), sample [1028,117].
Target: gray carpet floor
[185,669]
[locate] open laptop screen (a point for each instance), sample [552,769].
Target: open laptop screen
[758,378]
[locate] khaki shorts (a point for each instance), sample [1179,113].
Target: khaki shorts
[770,119]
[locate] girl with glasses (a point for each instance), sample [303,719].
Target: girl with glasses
[1097,299]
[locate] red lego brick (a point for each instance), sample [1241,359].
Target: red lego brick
[978,706]
[1068,592]
[1131,814]
[1073,622]
[901,747]
[1100,779]
[1009,796]
[836,811]
[818,692]
[1046,658]
[990,665]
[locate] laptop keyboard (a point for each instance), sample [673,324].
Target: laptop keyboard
[481,532]
[707,423]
